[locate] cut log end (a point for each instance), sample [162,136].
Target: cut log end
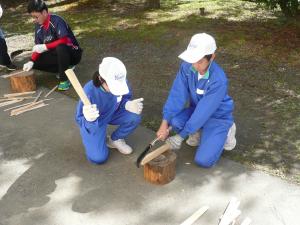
[162,169]
[23,82]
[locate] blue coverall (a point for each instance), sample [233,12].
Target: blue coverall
[111,112]
[210,109]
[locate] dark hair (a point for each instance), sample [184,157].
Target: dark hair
[36,6]
[97,79]
[208,57]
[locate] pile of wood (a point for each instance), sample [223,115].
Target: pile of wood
[10,99]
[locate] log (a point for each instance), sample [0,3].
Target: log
[23,82]
[162,169]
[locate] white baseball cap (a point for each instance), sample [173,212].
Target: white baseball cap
[1,11]
[113,71]
[200,45]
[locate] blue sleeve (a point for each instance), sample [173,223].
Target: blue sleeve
[178,96]
[205,108]
[37,38]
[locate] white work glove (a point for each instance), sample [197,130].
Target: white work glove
[39,48]
[90,112]
[135,106]
[175,142]
[28,66]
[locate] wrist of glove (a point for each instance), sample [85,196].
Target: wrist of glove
[28,66]
[39,48]
[175,142]
[135,106]
[90,112]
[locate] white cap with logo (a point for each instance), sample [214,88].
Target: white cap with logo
[200,45]
[113,71]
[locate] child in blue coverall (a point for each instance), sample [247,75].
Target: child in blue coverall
[111,102]
[202,83]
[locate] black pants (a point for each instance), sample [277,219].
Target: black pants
[58,60]
[4,57]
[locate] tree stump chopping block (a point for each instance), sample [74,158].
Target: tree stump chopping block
[162,169]
[23,82]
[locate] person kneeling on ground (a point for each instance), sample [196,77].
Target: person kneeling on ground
[111,103]
[56,48]
[201,82]
[5,61]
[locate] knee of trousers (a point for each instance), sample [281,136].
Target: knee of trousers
[97,158]
[205,162]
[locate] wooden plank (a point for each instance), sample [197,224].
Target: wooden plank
[155,153]
[50,92]
[195,216]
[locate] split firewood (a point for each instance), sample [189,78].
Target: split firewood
[231,212]
[12,74]
[18,106]
[37,97]
[26,107]
[195,216]
[19,94]
[29,109]
[50,92]
[10,102]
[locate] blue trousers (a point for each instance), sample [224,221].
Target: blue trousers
[95,143]
[213,137]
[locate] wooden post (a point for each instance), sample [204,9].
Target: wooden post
[162,169]
[23,82]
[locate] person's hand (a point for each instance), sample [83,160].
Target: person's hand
[39,48]
[90,112]
[28,66]
[1,11]
[135,106]
[163,131]
[175,142]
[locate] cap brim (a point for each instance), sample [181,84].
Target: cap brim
[118,88]
[191,56]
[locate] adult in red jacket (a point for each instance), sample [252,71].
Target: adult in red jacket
[56,48]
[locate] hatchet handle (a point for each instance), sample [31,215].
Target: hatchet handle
[77,86]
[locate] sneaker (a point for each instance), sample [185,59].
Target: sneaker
[64,85]
[231,140]
[119,144]
[193,139]
[10,67]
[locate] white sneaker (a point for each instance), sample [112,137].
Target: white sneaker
[119,144]
[231,140]
[193,139]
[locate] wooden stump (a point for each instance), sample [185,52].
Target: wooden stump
[23,82]
[162,169]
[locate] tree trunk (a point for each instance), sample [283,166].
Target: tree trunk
[152,4]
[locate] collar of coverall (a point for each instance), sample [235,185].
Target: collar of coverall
[206,75]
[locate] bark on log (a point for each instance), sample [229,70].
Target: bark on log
[162,169]
[23,82]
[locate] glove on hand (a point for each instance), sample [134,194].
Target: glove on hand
[28,66]
[175,142]
[90,112]
[1,11]
[39,48]
[135,106]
